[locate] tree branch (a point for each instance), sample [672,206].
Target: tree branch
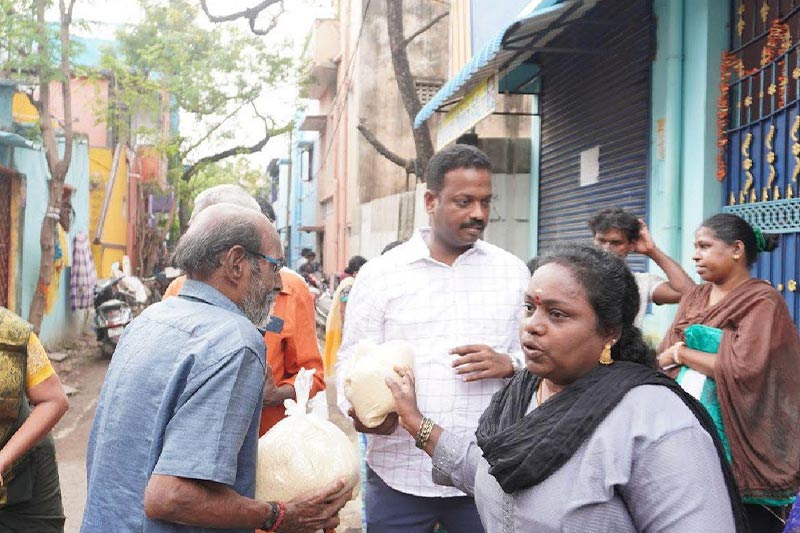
[66,89]
[423,29]
[382,149]
[58,166]
[250,14]
[212,129]
[423,144]
[274,22]
[236,150]
[43,105]
[68,11]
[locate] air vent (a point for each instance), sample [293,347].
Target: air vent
[427,88]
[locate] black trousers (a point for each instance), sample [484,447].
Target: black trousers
[391,511]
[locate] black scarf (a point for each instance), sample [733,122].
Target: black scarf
[524,450]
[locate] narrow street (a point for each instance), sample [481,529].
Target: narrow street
[82,371]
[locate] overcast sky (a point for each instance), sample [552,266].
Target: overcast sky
[294,25]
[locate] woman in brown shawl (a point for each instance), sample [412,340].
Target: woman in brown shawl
[756,369]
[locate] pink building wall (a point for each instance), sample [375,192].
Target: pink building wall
[89,105]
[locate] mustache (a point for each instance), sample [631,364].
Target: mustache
[480,224]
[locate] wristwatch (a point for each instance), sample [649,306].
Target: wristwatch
[515,364]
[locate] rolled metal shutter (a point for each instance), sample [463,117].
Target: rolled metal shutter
[589,100]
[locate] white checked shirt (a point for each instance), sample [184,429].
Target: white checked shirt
[407,295]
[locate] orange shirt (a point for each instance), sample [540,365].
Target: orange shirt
[295,347]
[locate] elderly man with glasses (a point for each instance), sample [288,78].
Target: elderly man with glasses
[291,334]
[174,440]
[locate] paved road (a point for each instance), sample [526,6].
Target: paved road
[84,369]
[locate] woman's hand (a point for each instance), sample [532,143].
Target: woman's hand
[405,399]
[666,359]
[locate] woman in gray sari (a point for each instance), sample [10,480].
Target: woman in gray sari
[589,437]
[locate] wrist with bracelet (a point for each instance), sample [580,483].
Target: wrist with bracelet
[276,516]
[424,433]
[675,354]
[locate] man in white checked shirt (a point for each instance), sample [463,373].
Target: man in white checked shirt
[458,300]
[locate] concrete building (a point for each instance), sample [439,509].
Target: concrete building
[364,201]
[297,198]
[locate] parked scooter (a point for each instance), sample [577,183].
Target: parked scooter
[117,301]
[111,314]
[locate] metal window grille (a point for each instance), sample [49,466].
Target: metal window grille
[779,216]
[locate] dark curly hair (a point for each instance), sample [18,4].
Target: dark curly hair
[730,228]
[612,218]
[612,292]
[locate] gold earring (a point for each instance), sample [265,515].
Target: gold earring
[605,355]
[736,257]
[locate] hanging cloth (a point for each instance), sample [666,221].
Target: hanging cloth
[83,276]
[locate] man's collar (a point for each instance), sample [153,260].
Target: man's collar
[418,247]
[199,290]
[285,273]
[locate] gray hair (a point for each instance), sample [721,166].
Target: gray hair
[227,194]
[198,252]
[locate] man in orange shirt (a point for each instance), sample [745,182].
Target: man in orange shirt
[291,335]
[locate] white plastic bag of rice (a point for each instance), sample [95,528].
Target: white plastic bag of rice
[304,452]
[365,378]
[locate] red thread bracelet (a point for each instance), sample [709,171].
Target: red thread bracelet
[281,516]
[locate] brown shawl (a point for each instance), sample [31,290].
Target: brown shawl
[758,382]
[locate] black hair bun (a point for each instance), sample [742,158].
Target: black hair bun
[771,241]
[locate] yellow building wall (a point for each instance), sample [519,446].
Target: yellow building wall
[113,236]
[22,110]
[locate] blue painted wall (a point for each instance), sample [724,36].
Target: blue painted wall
[304,193]
[706,31]
[61,323]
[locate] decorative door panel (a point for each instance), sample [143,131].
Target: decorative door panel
[759,133]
